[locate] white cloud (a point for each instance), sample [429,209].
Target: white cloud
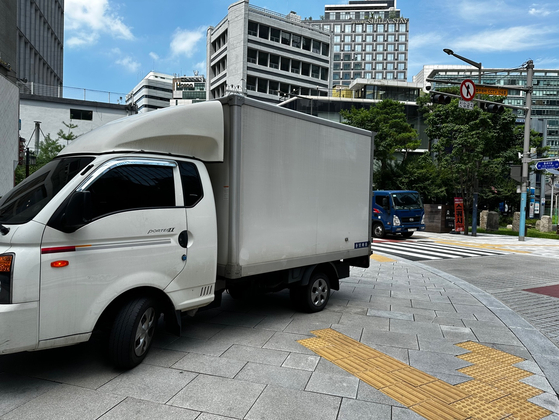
[184,42]
[153,56]
[129,64]
[518,38]
[426,39]
[86,20]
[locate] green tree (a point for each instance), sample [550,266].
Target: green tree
[48,149]
[393,133]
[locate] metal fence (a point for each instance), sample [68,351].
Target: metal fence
[67,92]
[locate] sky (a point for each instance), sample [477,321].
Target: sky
[110,45]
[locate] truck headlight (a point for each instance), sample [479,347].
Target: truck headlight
[6,269]
[396,221]
[423,219]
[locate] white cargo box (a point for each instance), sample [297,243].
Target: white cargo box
[293,189]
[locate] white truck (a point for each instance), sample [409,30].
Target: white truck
[159,213]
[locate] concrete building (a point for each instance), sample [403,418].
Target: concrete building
[545,96]
[52,113]
[40,43]
[370,40]
[188,90]
[9,140]
[265,54]
[153,92]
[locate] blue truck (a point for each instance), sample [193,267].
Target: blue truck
[397,212]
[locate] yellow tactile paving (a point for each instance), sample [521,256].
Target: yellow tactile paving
[494,247]
[380,258]
[494,392]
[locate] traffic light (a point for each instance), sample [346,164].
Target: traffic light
[493,108]
[439,98]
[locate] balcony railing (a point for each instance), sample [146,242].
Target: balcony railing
[68,92]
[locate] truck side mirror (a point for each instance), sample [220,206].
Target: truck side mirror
[77,212]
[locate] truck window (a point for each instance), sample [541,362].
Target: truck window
[129,187]
[27,199]
[191,183]
[407,201]
[382,201]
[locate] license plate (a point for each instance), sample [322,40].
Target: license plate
[412,230]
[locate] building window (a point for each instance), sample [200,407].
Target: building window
[368,57]
[380,38]
[337,29]
[264,32]
[346,75]
[401,66]
[358,38]
[380,47]
[401,76]
[274,61]
[380,28]
[368,75]
[284,64]
[327,28]
[401,47]
[295,66]
[325,49]
[379,66]
[389,66]
[81,114]
[347,57]
[347,38]
[379,57]
[285,38]
[347,47]
[296,41]
[369,38]
[275,35]
[403,27]
[358,28]
[368,47]
[315,71]
[253,28]
[336,66]
[368,66]
[390,47]
[337,39]
[370,28]
[252,56]
[337,48]
[402,57]
[337,57]
[336,76]
[391,27]
[358,57]
[263,59]
[347,66]
[251,83]
[378,75]
[402,38]
[347,28]
[315,46]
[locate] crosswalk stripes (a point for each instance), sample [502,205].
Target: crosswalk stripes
[421,251]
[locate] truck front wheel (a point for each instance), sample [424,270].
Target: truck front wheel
[315,295]
[133,332]
[378,230]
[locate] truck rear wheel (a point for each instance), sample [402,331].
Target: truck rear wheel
[378,230]
[315,295]
[133,332]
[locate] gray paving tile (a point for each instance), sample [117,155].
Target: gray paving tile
[364,321]
[547,400]
[16,390]
[331,384]
[362,410]
[440,346]
[415,311]
[405,414]
[163,357]
[288,342]
[497,335]
[398,353]
[210,365]
[248,320]
[66,402]
[303,326]
[327,367]
[221,396]
[193,345]
[200,330]
[436,362]
[457,334]
[274,375]
[244,336]
[450,378]
[147,382]
[413,327]
[389,338]
[132,408]
[255,354]
[390,314]
[366,392]
[455,315]
[354,332]
[301,361]
[288,404]
[206,416]
[435,306]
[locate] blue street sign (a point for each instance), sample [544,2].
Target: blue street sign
[548,164]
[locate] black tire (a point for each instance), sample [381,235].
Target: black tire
[132,332]
[378,230]
[407,234]
[314,296]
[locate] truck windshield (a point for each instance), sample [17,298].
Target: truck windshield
[26,200]
[407,201]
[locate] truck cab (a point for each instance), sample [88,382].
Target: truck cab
[397,212]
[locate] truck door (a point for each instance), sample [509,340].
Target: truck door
[133,240]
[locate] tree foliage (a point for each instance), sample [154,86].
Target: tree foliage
[48,149]
[393,132]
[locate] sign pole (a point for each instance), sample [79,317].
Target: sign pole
[526,153]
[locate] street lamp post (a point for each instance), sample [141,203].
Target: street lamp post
[474,204]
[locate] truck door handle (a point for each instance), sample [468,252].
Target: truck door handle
[183,238]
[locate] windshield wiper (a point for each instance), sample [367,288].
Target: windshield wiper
[4,230]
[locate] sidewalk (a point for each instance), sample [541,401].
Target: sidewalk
[398,339]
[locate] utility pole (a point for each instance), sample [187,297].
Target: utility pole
[526,153]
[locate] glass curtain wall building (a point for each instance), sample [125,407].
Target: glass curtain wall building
[370,40]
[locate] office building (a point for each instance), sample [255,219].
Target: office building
[40,45]
[264,55]
[153,92]
[188,89]
[545,96]
[370,40]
